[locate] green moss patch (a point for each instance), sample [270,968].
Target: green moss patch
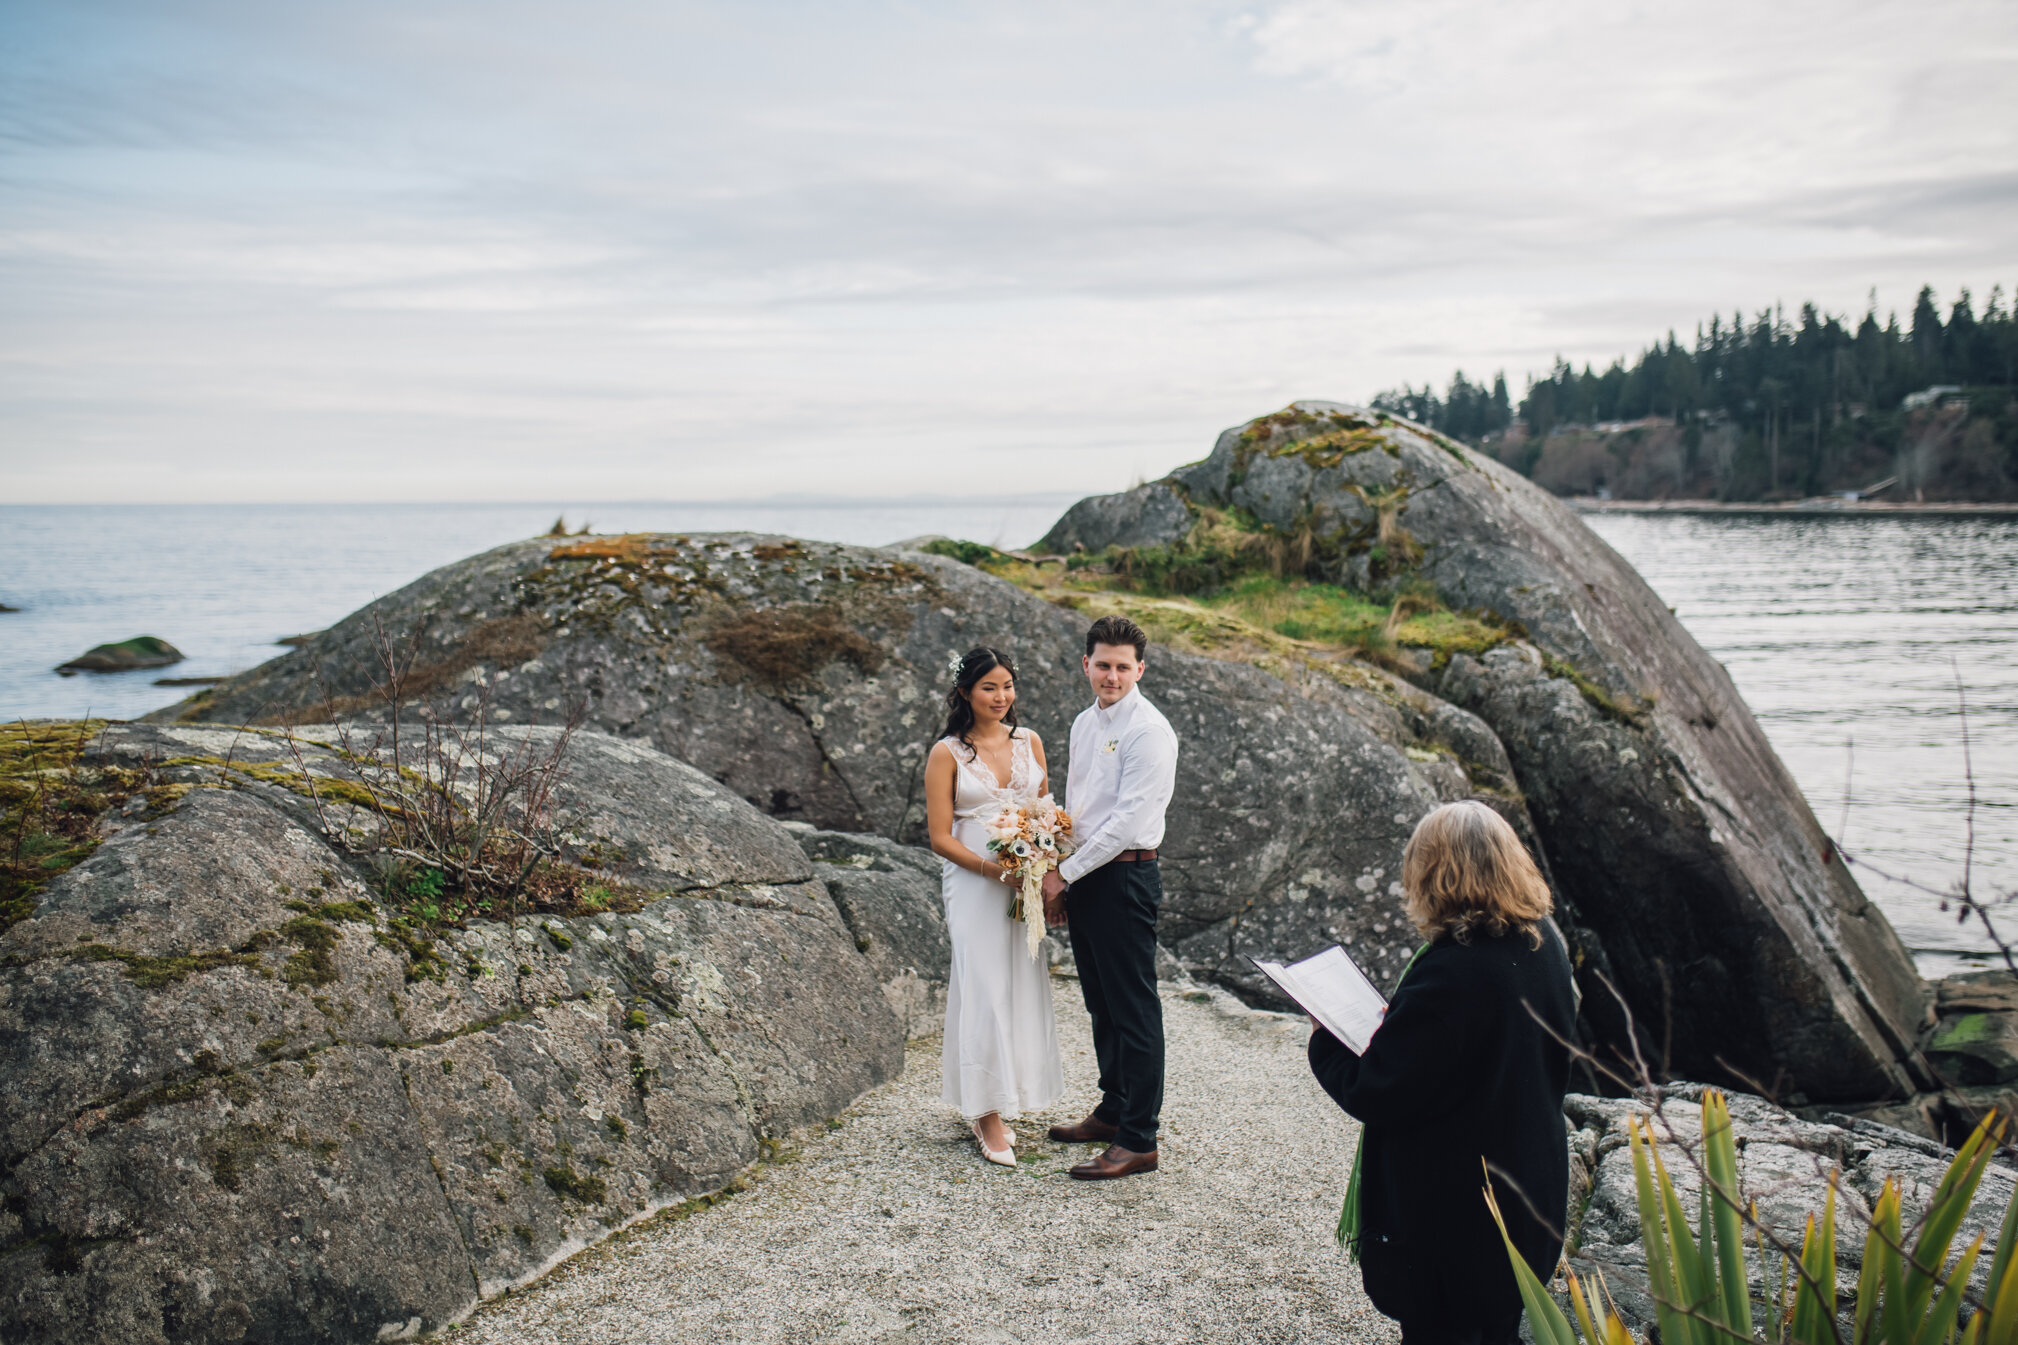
[1290,419]
[1325,613]
[1332,447]
[151,973]
[567,1182]
[314,963]
[1225,597]
[187,1088]
[288,777]
[1967,1030]
[967,553]
[142,651]
[1615,708]
[424,961]
[50,804]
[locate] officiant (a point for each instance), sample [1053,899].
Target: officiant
[1469,1063]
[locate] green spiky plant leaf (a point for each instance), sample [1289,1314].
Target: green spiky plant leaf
[1700,1285]
[1547,1321]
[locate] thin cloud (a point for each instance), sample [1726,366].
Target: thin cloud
[697,250]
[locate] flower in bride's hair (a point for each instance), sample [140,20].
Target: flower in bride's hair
[954,664]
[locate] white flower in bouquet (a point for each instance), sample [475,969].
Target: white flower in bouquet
[1028,842]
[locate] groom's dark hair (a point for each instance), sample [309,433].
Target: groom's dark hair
[1117,631]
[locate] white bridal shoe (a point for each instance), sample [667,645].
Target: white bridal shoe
[1006,1157]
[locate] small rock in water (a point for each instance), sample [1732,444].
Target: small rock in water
[298,640]
[5,608]
[142,651]
[188,681]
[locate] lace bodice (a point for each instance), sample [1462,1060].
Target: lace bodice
[975,792]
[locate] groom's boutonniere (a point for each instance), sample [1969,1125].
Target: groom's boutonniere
[1113,744]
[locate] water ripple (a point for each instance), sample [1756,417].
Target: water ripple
[1854,630]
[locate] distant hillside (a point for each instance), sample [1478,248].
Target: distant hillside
[1769,410]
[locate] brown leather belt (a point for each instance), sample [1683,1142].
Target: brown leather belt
[1134,856]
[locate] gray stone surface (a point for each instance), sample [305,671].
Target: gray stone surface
[889,895]
[1296,789]
[1145,516]
[1683,847]
[207,1137]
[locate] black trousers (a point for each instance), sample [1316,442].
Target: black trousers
[1502,1332]
[1437,1299]
[1111,914]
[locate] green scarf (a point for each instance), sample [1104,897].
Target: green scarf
[1348,1214]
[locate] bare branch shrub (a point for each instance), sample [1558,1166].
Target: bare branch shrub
[454,820]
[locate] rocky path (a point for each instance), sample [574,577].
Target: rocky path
[889,1226]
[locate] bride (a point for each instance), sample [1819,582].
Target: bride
[1001,1056]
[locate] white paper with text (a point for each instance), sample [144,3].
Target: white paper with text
[1332,988]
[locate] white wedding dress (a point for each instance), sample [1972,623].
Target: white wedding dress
[1001,1040]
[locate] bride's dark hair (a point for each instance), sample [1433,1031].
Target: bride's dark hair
[974,665]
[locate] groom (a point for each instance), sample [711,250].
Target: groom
[1123,771]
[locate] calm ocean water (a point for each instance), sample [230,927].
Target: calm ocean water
[1847,637]
[1836,631]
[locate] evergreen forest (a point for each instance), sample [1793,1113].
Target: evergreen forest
[1770,408]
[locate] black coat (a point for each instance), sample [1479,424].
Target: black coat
[1459,1070]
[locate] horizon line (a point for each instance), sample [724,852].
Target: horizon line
[767,501]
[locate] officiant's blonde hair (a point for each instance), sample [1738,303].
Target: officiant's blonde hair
[1465,872]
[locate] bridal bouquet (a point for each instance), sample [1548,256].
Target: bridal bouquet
[1028,841]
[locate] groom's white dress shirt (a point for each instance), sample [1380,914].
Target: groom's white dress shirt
[1122,774]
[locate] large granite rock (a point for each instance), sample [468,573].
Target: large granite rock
[242,1104]
[811,679]
[1716,903]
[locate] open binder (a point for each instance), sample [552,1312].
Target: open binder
[1333,990]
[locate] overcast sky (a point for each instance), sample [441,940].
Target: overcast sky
[508,251]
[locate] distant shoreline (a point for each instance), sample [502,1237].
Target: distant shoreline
[1586,504]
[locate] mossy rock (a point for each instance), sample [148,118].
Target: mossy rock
[216,1043]
[142,651]
[811,679]
[1676,835]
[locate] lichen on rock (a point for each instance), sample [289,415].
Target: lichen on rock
[224,1071]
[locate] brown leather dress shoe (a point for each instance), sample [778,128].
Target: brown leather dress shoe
[1115,1162]
[1092,1130]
